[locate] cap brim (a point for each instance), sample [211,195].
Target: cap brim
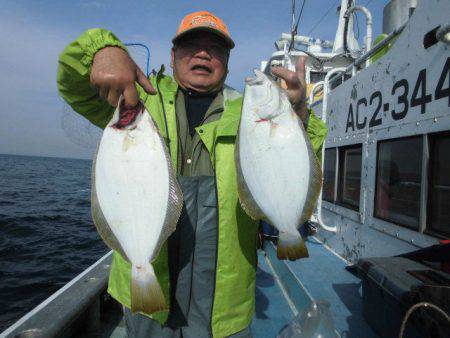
[226,38]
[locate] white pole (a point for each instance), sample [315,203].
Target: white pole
[324,119]
[369,24]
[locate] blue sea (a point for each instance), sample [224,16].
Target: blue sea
[47,236]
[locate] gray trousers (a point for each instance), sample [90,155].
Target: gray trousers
[140,326]
[192,268]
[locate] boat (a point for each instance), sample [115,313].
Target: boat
[378,258]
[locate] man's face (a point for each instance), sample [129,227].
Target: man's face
[199,62]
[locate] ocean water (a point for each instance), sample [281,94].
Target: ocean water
[47,236]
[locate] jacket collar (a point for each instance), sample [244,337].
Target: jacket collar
[167,85]
[229,122]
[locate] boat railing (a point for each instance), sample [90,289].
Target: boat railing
[76,304]
[352,68]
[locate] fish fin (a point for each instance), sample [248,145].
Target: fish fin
[99,219]
[315,179]
[291,246]
[146,293]
[246,199]
[175,199]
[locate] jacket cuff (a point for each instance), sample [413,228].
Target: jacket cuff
[94,40]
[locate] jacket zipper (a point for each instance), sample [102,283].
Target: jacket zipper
[164,113]
[195,147]
[217,252]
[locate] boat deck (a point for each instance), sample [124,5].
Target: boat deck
[323,276]
[273,311]
[283,289]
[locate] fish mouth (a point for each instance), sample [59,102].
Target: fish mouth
[261,79]
[257,80]
[127,116]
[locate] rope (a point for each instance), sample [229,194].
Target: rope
[416,306]
[323,17]
[294,28]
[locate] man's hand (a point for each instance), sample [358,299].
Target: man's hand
[295,85]
[114,73]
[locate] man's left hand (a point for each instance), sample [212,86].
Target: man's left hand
[295,85]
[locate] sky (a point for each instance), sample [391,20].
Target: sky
[33,118]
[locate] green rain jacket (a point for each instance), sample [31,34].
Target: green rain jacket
[234,298]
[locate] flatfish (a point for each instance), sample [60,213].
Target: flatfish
[279,176]
[136,200]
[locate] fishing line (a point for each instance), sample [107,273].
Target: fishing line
[137,44]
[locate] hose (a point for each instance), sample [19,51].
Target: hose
[416,306]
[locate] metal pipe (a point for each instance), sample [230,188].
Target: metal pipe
[306,40]
[369,24]
[373,51]
[326,84]
[378,47]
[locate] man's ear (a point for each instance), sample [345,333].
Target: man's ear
[172,57]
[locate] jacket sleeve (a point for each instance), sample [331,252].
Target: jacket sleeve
[73,77]
[317,131]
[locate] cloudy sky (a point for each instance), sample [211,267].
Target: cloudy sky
[34,119]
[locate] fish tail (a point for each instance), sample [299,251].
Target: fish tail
[146,293]
[291,246]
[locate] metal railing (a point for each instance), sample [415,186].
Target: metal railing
[80,298]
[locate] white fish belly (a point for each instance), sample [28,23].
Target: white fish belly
[132,183]
[275,165]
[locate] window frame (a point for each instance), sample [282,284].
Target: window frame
[432,137]
[427,168]
[336,173]
[374,213]
[340,177]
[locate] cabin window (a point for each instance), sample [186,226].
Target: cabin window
[316,77]
[329,174]
[349,176]
[439,184]
[399,170]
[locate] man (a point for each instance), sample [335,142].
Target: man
[207,267]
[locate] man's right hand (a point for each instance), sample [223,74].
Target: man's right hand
[114,73]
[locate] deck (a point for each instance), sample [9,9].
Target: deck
[283,289]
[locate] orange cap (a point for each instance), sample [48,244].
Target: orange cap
[205,21]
